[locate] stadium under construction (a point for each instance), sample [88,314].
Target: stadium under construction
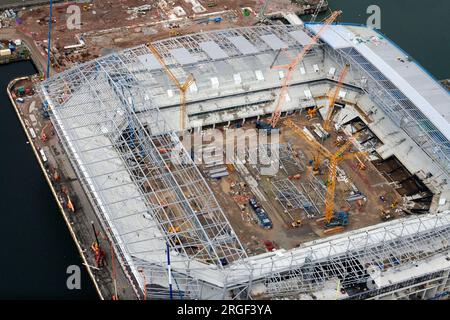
[118,119]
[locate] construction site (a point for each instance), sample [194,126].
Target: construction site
[107,26]
[342,186]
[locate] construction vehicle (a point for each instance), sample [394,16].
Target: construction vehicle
[263,218]
[69,205]
[270,245]
[174,33]
[297,223]
[290,68]
[332,100]
[295,176]
[45,109]
[316,163]
[56,177]
[99,255]
[385,215]
[20,91]
[334,159]
[339,219]
[181,87]
[312,112]
[216,19]
[212,4]
[44,137]
[174,230]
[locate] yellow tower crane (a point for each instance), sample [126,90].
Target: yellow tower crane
[333,97]
[334,159]
[181,87]
[290,68]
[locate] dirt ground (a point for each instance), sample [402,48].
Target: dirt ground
[110,25]
[283,234]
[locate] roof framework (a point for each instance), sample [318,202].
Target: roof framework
[292,198]
[148,191]
[402,111]
[147,195]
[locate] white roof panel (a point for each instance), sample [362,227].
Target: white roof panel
[301,37]
[149,61]
[274,42]
[183,56]
[333,36]
[237,78]
[243,45]
[213,50]
[407,89]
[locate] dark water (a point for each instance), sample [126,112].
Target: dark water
[418,27]
[35,245]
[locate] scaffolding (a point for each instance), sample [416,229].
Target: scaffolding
[315,191]
[288,162]
[396,106]
[354,258]
[147,192]
[291,198]
[144,184]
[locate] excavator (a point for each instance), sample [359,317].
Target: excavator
[99,254]
[44,136]
[69,204]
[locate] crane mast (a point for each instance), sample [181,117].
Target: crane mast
[291,67]
[181,87]
[335,158]
[332,100]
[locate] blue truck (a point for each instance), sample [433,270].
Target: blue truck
[263,217]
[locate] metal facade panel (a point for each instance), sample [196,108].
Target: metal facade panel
[332,36]
[150,62]
[213,50]
[183,56]
[301,37]
[243,45]
[274,42]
